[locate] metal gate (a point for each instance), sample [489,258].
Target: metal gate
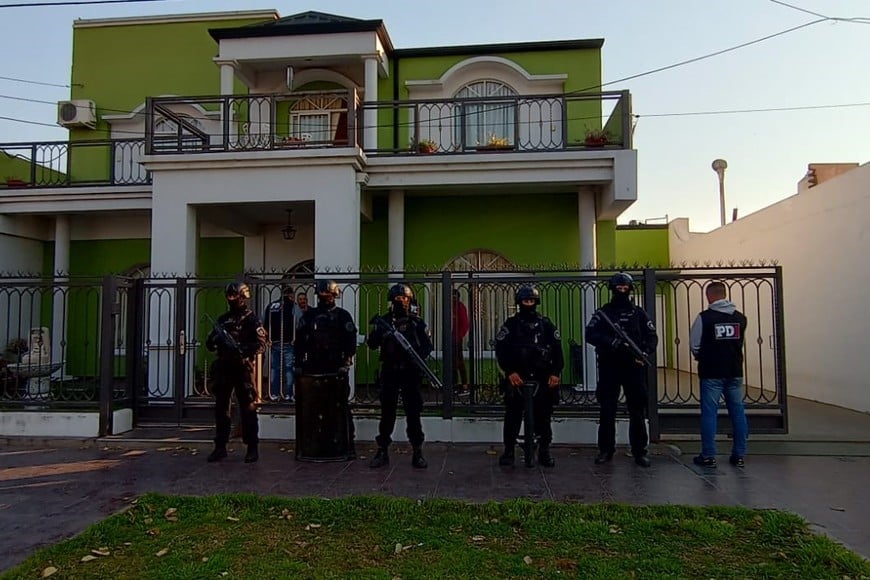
[144,347]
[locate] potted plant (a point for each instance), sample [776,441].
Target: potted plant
[596,138]
[495,143]
[426,146]
[15,182]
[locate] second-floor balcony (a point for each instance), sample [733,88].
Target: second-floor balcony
[317,120]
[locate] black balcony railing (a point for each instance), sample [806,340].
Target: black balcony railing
[316,120]
[73,163]
[504,123]
[251,122]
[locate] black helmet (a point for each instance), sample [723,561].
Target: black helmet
[328,287]
[621,279]
[526,293]
[239,289]
[399,290]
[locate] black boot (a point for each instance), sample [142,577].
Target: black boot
[507,458]
[380,459]
[603,457]
[253,454]
[417,459]
[642,459]
[220,452]
[544,457]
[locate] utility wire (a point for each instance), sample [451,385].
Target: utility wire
[30,82]
[764,110]
[857,20]
[74,3]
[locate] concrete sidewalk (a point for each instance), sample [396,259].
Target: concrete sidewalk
[52,491]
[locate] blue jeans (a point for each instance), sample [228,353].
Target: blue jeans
[282,359]
[711,391]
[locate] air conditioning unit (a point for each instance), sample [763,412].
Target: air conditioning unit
[78,113]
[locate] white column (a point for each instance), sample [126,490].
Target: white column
[227,80]
[588,229]
[60,299]
[255,253]
[587,217]
[370,119]
[174,238]
[396,230]
[336,246]
[336,230]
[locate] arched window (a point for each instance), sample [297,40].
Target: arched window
[487,120]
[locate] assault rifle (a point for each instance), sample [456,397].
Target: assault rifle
[224,338]
[406,346]
[528,389]
[621,335]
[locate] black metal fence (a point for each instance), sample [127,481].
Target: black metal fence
[139,343]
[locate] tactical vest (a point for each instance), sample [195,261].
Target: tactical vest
[721,354]
[326,333]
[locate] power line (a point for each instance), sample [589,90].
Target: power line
[30,82]
[75,3]
[764,110]
[799,9]
[856,20]
[705,56]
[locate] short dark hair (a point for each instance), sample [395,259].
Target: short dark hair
[716,290]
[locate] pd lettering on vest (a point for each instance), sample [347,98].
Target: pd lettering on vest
[726,331]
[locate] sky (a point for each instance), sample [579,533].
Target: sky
[821,64]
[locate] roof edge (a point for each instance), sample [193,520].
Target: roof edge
[175,18]
[539,46]
[376,26]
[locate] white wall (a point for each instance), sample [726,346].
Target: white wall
[821,238]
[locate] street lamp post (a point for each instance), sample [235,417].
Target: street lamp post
[719,166]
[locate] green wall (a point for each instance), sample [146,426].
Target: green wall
[644,245]
[117,67]
[526,229]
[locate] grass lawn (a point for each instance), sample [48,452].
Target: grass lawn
[245,536]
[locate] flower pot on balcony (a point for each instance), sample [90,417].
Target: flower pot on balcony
[595,142]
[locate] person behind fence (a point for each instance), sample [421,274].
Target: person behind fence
[280,321]
[528,347]
[237,337]
[399,374]
[716,340]
[459,318]
[302,303]
[326,341]
[619,366]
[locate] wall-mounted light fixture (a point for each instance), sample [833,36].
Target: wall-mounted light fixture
[289,231]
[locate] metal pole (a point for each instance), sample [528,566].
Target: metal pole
[719,166]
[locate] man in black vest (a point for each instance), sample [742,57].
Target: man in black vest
[399,374]
[238,337]
[326,343]
[619,367]
[528,347]
[716,340]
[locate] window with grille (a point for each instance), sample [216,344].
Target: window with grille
[489,121]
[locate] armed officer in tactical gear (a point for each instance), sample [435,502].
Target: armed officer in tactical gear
[238,337]
[529,351]
[619,366]
[326,342]
[398,372]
